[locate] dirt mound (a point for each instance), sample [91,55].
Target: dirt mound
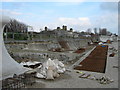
[56,50]
[80,50]
[64,45]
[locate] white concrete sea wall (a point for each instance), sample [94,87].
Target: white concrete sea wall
[9,66]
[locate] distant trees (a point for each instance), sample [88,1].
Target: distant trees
[16,30]
[15,26]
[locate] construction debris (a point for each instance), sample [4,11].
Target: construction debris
[47,70]
[80,50]
[50,73]
[31,64]
[84,75]
[68,70]
[115,66]
[104,80]
[108,41]
[113,49]
[79,72]
[19,81]
[100,43]
[64,44]
[112,55]
[56,49]
[101,80]
[51,69]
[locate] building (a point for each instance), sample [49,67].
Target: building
[103,31]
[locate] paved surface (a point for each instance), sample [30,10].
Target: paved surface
[72,80]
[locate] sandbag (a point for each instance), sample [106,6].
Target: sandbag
[58,63]
[55,74]
[39,75]
[64,69]
[61,70]
[49,73]
[61,64]
[49,63]
[43,72]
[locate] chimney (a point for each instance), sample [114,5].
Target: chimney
[65,27]
[46,28]
[58,28]
[71,30]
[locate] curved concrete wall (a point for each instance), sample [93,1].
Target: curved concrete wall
[9,65]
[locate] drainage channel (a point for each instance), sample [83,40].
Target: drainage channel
[96,60]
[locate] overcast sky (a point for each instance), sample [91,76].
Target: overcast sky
[78,15]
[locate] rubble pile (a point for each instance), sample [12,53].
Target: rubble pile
[47,70]
[31,64]
[112,55]
[104,80]
[100,43]
[113,51]
[80,50]
[51,69]
[56,49]
[64,45]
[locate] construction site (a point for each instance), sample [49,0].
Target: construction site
[60,63]
[73,44]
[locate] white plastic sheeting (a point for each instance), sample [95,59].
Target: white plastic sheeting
[29,63]
[9,65]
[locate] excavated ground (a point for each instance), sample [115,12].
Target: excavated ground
[71,79]
[96,61]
